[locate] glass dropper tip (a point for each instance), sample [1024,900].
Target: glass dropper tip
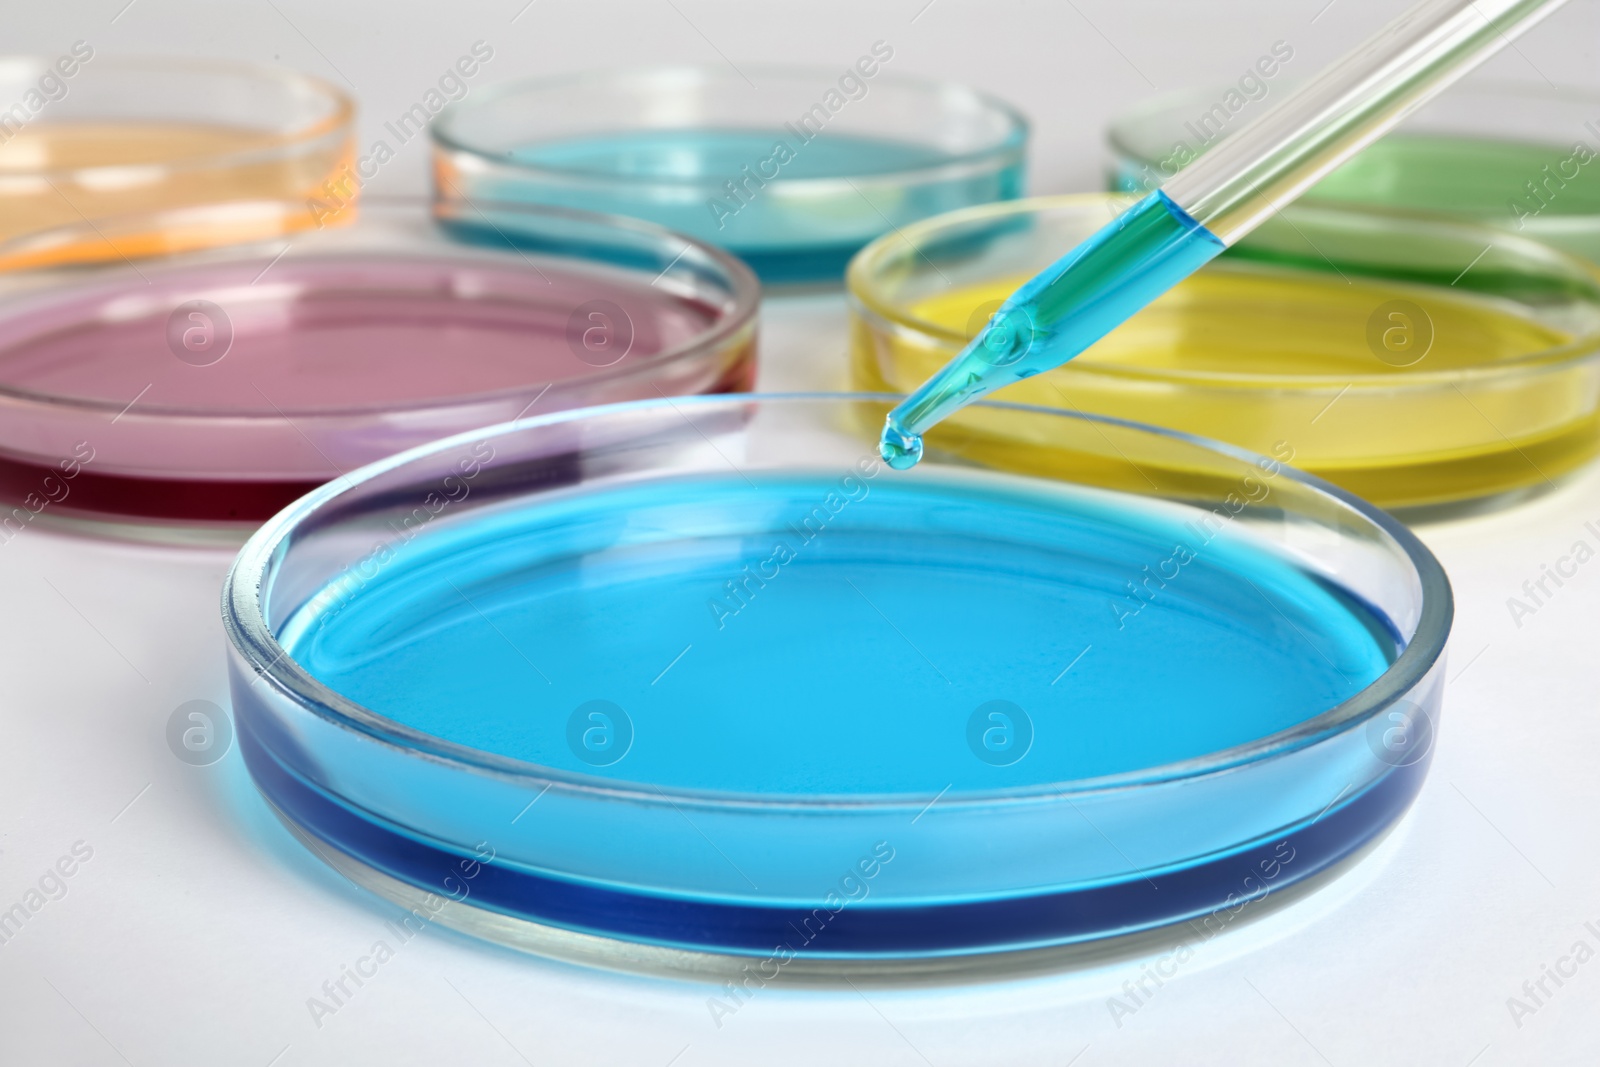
[899,449]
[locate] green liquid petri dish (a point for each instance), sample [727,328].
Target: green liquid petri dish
[1522,158]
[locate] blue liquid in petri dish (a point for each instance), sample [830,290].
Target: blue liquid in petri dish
[752,640]
[678,179]
[844,645]
[719,154]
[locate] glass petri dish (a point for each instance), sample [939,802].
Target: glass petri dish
[1516,157]
[700,685]
[107,137]
[212,388]
[1416,361]
[791,169]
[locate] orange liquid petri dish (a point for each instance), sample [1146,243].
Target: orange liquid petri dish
[118,139]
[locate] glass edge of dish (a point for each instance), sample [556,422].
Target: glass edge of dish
[866,300]
[251,638]
[743,312]
[1018,133]
[340,117]
[1117,132]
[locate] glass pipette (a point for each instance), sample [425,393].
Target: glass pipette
[1213,203]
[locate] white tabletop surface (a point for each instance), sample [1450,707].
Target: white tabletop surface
[197,928]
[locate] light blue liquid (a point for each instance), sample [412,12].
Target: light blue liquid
[1060,312]
[884,614]
[728,187]
[683,155]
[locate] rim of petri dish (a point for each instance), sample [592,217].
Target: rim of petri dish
[329,109]
[1509,397]
[251,578]
[385,231]
[741,311]
[1122,135]
[445,134]
[863,283]
[216,132]
[288,714]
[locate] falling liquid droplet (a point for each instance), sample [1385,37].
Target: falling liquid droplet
[899,449]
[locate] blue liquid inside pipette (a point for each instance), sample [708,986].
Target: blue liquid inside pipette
[1063,310]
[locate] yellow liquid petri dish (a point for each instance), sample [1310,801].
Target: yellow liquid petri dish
[1414,361]
[121,140]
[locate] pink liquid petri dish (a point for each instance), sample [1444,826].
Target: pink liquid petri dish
[208,390]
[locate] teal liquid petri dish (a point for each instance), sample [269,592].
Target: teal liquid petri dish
[793,170]
[702,685]
[1521,158]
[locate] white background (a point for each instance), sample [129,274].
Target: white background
[199,929]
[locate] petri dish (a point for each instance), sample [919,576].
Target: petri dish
[1422,363]
[210,389]
[700,685]
[793,170]
[106,137]
[1516,157]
